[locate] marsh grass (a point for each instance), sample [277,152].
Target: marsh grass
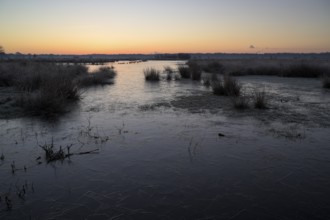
[46,89]
[103,76]
[168,69]
[195,71]
[151,74]
[259,70]
[241,102]
[226,87]
[214,67]
[305,70]
[169,73]
[207,81]
[60,154]
[184,72]
[52,154]
[326,82]
[232,86]
[51,97]
[218,88]
[260,99]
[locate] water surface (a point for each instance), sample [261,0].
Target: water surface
[160,155]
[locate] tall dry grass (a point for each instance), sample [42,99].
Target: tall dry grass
[47,89]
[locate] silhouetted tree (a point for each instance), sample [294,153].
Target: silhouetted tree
[2,51]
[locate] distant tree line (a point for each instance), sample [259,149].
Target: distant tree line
[179,56]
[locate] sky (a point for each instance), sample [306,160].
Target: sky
[166,26]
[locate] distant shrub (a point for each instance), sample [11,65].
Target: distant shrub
[184,72]
[260,100]
[151,74]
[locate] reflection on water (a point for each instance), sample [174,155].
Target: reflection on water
[158,160]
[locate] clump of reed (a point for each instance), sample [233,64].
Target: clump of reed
[184,72]
[191,71]
[226,87]
[195,70]
[209,80]
[52,154]
[260,99]
[103,76]
[241,102]
[206,81]
[151,74]
[214,67]
[326,82]
[169,72]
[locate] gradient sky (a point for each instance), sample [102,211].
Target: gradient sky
[149,26]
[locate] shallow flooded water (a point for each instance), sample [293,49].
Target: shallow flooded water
[173,150]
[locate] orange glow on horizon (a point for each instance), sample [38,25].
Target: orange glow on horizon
[147,27]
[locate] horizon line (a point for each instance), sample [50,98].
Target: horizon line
[109,54]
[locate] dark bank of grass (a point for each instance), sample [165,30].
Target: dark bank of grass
[260,70]
[46,89]
[292,70]
[303,70]
[309,68]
